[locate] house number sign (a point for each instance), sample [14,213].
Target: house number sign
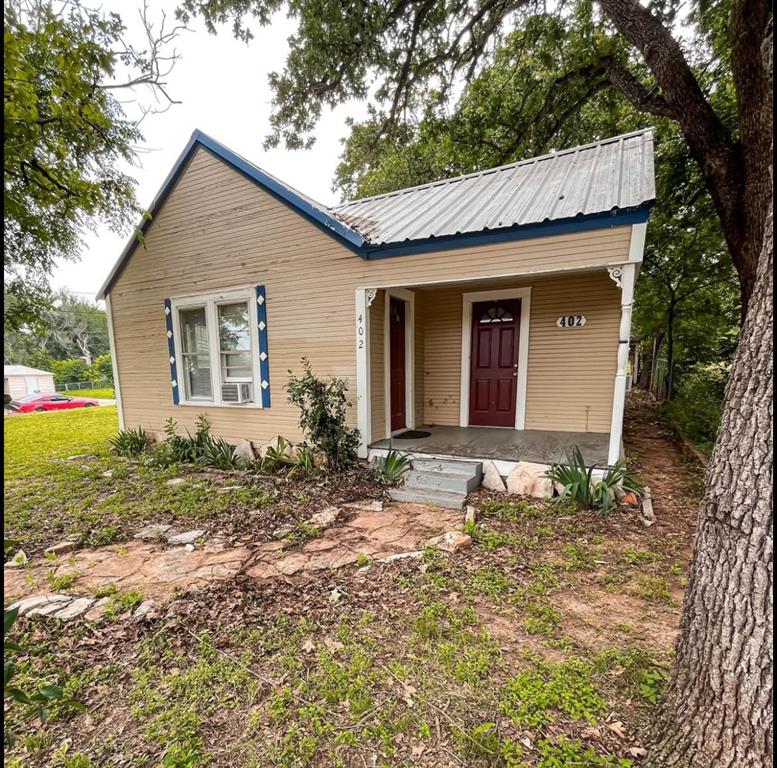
[571,321]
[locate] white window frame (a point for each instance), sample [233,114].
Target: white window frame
[211,301]
[408,297]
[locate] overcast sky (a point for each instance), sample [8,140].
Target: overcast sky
[222,84]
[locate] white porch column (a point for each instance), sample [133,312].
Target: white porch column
[364,298]
[624,278]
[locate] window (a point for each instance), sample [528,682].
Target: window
[496,315]
[216,348]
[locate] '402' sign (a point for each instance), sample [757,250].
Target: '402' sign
[571,321]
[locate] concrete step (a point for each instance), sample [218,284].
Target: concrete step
[444,499]
[454,482]
[467,468]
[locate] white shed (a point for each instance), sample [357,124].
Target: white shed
[19,380]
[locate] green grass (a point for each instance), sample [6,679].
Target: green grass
[101,394]
[97,496]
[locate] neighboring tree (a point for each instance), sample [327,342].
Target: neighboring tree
[719,707]
[65,135]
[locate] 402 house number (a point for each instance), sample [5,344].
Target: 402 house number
[571,321]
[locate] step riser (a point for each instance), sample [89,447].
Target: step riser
[439,481]
[467,468]
[433,498]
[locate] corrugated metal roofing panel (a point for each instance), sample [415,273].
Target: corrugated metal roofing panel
[612,174]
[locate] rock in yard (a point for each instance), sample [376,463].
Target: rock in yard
[98,609]
[29,603]
[77,608]
[273,444]
[492,480]
[528,479]
[60,549]
[244,452]
[108,473]
[469,515]
[282,531]
[324,518]
[173,481]
[188,537]
[153,532]
[144,609]
[18,560]
[452,541]
[367,505]
[54,604]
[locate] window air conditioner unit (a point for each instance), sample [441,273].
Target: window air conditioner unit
[236,393]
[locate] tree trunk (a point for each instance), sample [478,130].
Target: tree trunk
[718,709]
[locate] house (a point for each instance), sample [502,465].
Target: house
[19,380]
[491,311]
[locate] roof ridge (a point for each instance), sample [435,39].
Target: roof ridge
[474,174]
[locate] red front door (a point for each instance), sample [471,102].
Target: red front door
[494,367]
[397,363]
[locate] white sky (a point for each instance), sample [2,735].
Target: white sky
[222,84]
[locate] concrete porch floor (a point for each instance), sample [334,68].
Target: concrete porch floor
[503,444]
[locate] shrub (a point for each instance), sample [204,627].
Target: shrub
[6,399]
[102,369]
[129,442]
[580,486]
[217,452]
[70,371]
[696,409]
[393,465]
[322,405]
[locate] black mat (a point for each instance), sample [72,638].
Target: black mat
[411,434]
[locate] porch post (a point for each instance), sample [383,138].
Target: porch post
[114,362]
[624,277]
[364,298]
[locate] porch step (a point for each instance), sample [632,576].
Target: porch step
[455,482]
[439,483]
[444,499]
[448,466]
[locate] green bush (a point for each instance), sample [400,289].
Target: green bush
[393,465]
[70,371]
[695,411]
[322,405]
[102,369]
[6,399]
[129,442]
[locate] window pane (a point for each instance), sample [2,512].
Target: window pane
[234,334]
[196,353]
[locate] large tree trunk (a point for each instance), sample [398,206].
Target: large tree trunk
[718,710]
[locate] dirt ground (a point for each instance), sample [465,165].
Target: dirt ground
[546,643]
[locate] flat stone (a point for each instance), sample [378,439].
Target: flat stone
[228,488]
[469,515]
[54,604]
[19,560]
[452,541]
[324,518]
[402,556]
[282,531]
[175,481]
[367,505]
[492,480]
[144,609]
[291,564]
[244,452]
[60,549]
[29,603]
[153,532]
[188,537]
[98,609]
[77,608]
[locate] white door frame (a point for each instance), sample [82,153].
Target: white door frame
[409,298]
[468,299]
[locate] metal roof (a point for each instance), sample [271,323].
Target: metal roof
[614,174]
[23,370]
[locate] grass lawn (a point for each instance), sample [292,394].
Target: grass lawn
[100,394]
[543,645]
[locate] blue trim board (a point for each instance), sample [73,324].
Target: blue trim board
[264,350]
[350,238]
[618,218]
[174,384]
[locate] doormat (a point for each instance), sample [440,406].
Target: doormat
[411,434]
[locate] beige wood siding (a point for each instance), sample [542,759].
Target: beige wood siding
[571,372]
[217,230]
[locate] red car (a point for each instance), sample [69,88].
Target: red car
[50,402]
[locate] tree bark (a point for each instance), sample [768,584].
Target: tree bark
[718,710]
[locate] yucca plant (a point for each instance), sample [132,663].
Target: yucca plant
[393,465]
[304,459]
[579,484]
[217,452]
[129,442]
[277,456]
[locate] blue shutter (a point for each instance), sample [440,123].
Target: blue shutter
[264,353]
[171,350]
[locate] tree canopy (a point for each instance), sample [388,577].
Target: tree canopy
[66,136]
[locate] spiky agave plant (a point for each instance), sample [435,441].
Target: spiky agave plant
[393,465]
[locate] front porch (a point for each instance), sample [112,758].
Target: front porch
[505,447]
